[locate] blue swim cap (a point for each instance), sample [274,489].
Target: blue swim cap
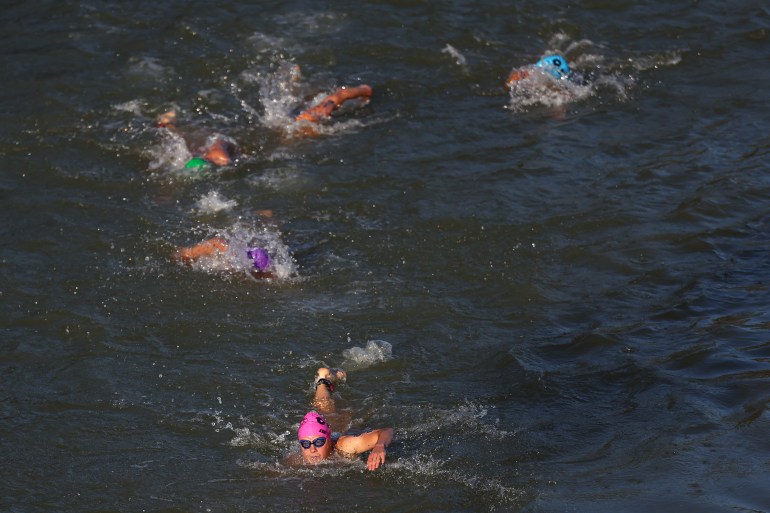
[556,65]
[260,257]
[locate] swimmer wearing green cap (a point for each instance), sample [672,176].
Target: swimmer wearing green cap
[218,151]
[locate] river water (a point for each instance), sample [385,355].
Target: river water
[556,296]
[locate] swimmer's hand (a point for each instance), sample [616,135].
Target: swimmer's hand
[376,457]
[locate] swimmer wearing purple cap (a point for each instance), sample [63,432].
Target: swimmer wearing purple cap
[259,257]
[315,433]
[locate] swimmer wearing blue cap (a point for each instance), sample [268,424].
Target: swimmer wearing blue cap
[554,65]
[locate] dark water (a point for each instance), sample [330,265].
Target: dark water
[573,285]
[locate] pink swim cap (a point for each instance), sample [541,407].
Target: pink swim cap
[313,425]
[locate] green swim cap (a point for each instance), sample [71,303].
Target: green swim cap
[198,164]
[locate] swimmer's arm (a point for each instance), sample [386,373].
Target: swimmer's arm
[334,100]
[375,441]
[205,248]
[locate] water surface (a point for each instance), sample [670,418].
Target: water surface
[559,301]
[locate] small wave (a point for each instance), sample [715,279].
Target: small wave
[470,417]
[428,472]
[148,67]
[281,178]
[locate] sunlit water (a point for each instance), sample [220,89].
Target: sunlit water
[556,295]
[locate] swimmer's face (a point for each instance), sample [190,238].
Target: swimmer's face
[315,454]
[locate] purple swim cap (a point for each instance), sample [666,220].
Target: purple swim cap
[313,425]
[260,257]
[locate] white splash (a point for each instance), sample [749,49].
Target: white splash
[214,202]
[453,52]
[376,351]
[171,153]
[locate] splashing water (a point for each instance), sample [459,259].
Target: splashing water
[170,153]
[213,202]
[283,94]
[361,357]
[280,93]
[540,88]
[601,75]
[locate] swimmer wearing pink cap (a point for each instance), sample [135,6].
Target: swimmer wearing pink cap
[314,432]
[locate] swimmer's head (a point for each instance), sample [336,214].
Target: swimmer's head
[197,165]
[314,437]
[313,424]
[555,65]
[260,257]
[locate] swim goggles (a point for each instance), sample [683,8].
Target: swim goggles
[318,442]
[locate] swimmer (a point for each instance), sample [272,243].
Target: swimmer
[217,150]
[323,110]
[554,65]
[315,433]
[259,257]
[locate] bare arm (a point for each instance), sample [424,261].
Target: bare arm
[205,248]
[324,109]
[375,441]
